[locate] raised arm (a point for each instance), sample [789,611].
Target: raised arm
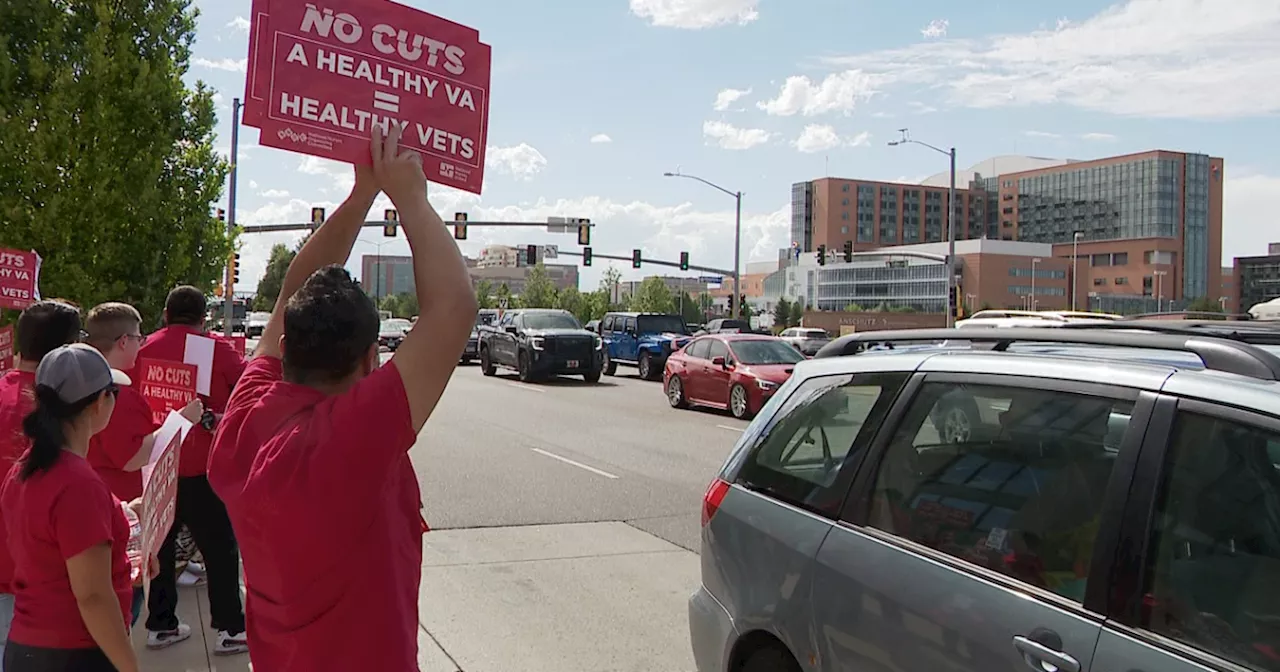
[429,354]
[330,244]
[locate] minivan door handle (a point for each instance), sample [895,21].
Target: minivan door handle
[1044,659]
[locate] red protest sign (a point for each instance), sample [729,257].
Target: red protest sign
[19,278]
[159,495]
[166,385]
[339,68]
[6,348]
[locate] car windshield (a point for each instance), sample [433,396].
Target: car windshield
[395,325]
[727,325]
[486,318]
[765,352]
[813,333]
[551,321]
[662,324]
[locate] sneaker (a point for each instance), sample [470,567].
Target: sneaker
[229,644]
[167,638]
[196,568]
[189,579]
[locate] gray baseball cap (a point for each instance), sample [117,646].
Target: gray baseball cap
[77,371]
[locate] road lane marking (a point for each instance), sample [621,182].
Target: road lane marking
[732,429]
[572,462]
[522,386]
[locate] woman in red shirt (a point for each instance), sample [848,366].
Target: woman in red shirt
[67,533]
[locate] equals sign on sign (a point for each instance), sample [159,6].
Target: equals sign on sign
[388,102]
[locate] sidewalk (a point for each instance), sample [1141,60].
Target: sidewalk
[195,654]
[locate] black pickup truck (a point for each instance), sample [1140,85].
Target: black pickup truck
[538,343]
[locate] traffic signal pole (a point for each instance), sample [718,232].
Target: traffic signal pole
[228,298]
[673,264]
[274,228]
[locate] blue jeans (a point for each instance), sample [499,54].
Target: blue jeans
[139,596]
[6,620]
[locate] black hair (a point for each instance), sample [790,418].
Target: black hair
[329,325]
[185,305]
[46,427]
[46,326]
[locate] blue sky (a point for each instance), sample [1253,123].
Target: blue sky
[592,100]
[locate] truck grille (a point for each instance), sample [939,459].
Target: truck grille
[571,347]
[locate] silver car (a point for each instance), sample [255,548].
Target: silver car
[806,339]
[1113,506]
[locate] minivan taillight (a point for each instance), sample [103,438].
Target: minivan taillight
[711,501]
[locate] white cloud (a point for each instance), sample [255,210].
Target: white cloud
[936,28]
[520,161]
[1149,58]
[1248,214]
[228,64]
[253,184]
[728,97]
[1040,134]
[1101,137]
[839,92]
[275,193]
[601,139]
[239,25]
[728,136]
[695,14]
[819,138]
[918,107]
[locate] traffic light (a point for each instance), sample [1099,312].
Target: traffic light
[222,215]
[684,261]
[235,268]
[953,295]
[460,226]
[730,304]
[848,251]
[317,217]
[586,256]
[584,232]
[531,255]
[390,217]
[822,255]
[635,259]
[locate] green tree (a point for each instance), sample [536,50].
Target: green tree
[408,305]
[797,313]
[706,302]
[853,308]
[572,300]
[609,284]
[391,304]
[539,291]
[484,294]
[782,313]
[689,309]
[653,296]
[107,164]
[504,299]
[273,278]
[1205,304]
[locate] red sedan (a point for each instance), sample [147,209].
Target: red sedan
[738,372]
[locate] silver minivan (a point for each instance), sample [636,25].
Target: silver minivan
[1115,506]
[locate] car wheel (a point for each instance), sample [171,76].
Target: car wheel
[524,368]
[646,366]
[675,392]
[955,423]
[610,366]
[593,377]
[770,659]
[738,404]
[486,363]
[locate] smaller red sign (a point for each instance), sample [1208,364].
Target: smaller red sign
[19,278]
[159,496]
[6,348]
[167,386]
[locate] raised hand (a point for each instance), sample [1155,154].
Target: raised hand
[398,172]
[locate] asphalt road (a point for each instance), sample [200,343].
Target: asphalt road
[498,452]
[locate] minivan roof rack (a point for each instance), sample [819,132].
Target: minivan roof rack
[1255,333]
[1218,353]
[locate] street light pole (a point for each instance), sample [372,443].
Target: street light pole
[1075,265]
[229,299]
[1159,288]
[952,297]
[737,238]
[1032,300]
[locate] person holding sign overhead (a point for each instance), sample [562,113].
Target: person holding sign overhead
[124,446]
[197,506]
[42,328]
[312,455]
[67,532]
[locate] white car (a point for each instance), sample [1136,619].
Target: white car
[392,331]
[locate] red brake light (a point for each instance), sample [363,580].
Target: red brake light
[711,501]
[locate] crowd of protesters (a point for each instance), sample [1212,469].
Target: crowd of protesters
[297,463]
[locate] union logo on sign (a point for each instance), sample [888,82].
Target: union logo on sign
[446,170]
[287,133]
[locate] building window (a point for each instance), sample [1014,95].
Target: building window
[1100,260]
[844,216]
[1122,281]
[1100,282]
[1161,257]
[845,188]
[844,229]
[845,203]
[1120,259]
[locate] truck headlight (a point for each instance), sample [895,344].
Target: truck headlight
[599,343]
[537,342]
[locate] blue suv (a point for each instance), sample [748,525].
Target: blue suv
[642,340]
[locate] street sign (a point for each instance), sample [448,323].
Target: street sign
[711,279]
[550,251]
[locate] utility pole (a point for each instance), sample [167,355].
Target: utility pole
[228,298]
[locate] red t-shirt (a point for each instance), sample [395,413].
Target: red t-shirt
[170,344]
[113,447]
[51,517]
[17,400]
[326,507]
